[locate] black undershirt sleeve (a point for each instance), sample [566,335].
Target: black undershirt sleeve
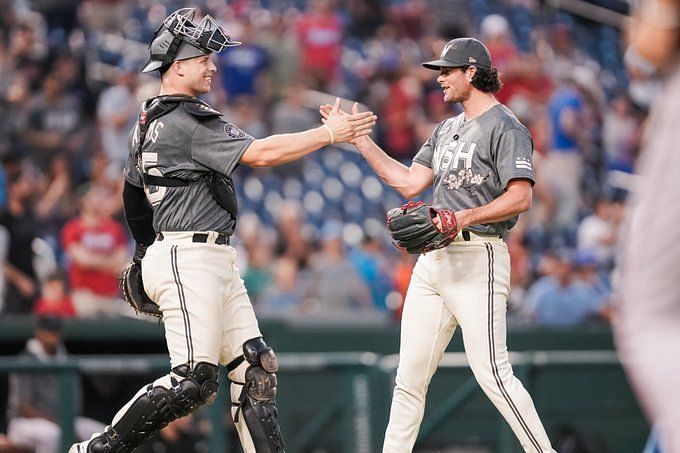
[138,214]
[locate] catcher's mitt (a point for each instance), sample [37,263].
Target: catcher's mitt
[133,291]
[413,229]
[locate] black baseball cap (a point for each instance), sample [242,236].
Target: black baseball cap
[462,52]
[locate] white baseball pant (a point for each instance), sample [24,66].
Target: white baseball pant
[466,284]
[206,311]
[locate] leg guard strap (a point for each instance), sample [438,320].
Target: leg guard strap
[262,420]
[158,406]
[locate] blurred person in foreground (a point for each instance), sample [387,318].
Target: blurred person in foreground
[647,321]
[180,205]
[34,397]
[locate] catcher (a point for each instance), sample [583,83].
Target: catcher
[180,202]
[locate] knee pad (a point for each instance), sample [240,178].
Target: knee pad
[256,403]
[157,407]
[202,378]
[260,384]
[256,352]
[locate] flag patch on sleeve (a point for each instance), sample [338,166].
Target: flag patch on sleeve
[523,163]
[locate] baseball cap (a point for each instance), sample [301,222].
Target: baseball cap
[51,322]
[462,52]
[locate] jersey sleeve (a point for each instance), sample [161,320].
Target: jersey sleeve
[219,145]
[514,156]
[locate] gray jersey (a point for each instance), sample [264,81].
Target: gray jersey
[187,146]
[473,161]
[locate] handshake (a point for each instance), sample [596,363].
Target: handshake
[345,127]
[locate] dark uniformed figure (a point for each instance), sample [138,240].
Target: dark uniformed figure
[180,203]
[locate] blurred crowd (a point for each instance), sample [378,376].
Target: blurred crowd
[70,90]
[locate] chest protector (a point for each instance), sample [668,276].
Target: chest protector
[221,186]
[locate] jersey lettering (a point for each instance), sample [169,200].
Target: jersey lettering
[461,153]
[153,193]
[155,127]
[135,135]
[443,155]
[450,157]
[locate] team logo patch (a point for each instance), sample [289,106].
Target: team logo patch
[523,163]
[233,131]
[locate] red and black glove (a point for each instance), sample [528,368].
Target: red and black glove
[413,229]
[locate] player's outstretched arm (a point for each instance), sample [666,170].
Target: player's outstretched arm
[281,148]
[408,181]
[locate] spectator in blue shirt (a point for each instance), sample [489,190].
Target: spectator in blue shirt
[369,262]
[560,299]
[243,67]
[571,132]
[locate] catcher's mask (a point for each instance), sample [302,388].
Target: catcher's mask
[179,38]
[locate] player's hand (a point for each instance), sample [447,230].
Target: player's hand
[446,221]
[326,109]
[437,222]
[347,127]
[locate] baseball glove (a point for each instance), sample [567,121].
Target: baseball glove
[133,291]
[413,229]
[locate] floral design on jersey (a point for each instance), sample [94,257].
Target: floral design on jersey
[465,179]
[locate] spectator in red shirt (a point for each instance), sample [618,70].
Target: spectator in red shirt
[523,75]
[320,33]
[96,246]
[55,298]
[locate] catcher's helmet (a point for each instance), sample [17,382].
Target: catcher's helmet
[178,38]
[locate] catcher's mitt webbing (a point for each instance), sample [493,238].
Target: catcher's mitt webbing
[132,288]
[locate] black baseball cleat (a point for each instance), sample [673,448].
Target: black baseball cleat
[94,445]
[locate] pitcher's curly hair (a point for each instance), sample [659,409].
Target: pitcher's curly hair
[487,80]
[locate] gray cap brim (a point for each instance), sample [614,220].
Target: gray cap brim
[438,64]
[152,65]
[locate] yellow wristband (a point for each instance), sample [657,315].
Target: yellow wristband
[330,132]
